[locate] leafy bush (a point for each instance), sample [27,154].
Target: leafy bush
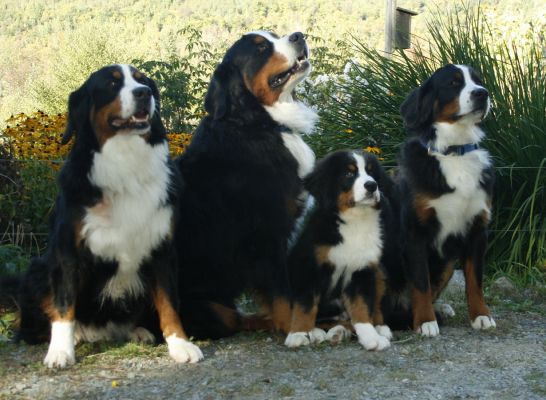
[183,81]
[362,108]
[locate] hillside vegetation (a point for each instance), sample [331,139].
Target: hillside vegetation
[49,46]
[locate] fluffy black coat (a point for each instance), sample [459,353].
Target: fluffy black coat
[239,204]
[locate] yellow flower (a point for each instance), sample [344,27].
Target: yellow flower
[348,130]
[373,150]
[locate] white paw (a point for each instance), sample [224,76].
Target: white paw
[183,351]
[444,309]
[369,338]
[484,322]
[61,346]
[384,330]
[57,358]
[297,339]
[429,329]
[317,335]
[141,335]
[338,334]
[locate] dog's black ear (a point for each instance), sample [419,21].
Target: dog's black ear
[78,112]
[417,109]
[158,129]
[217,100]
[321,186]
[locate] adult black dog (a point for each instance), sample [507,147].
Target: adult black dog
[109,271]
[243,190]
[446,184]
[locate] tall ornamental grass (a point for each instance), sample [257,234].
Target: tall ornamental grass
[361,108]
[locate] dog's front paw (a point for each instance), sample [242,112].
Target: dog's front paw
[183,351]
[483,322]
[317,335]
[338,334]
[59,358]
[429,329]
[444,309]
[369,338]
[61,353]
[297,339]
[384,330]
[141,335]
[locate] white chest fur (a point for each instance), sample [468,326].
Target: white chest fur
[300,119]
[362,242]
[456,210]
[132,218]
[301,152]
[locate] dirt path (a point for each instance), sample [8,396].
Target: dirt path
[508,363]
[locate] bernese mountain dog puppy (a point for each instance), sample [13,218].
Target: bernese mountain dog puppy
[243,172]
[446,184]
[110,268]
[340,252]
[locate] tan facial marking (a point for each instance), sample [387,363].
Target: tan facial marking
[345,200]
[100,120]
[259,85]
[447,113]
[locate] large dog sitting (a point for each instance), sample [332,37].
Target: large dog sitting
[243,173]
[446,185]
[109,271]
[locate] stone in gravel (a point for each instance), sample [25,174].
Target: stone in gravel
[503,285]
[456,283]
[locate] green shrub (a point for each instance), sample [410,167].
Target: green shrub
[361,108]
[183,81]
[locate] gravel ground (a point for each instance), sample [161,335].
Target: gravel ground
[508,363]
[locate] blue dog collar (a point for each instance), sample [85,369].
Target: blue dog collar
[459,150]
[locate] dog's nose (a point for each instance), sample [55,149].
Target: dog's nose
[296,37]
[142,93]
[479,94]
[370,186]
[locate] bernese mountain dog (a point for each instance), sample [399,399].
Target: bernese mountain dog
[109,271]
[340,252]
[446,184]
[243,172]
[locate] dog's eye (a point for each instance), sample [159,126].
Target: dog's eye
[262,47]
[455,82]
[349,174]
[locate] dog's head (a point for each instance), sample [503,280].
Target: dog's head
[115,100]
[453,95]
[260,68]
[346,179]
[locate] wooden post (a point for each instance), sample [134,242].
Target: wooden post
[390,12]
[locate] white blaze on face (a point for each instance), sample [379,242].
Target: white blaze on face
[126,95]
[466,103]
[359,191]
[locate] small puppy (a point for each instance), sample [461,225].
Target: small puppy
[110,268]
[446,185]
[339,252]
